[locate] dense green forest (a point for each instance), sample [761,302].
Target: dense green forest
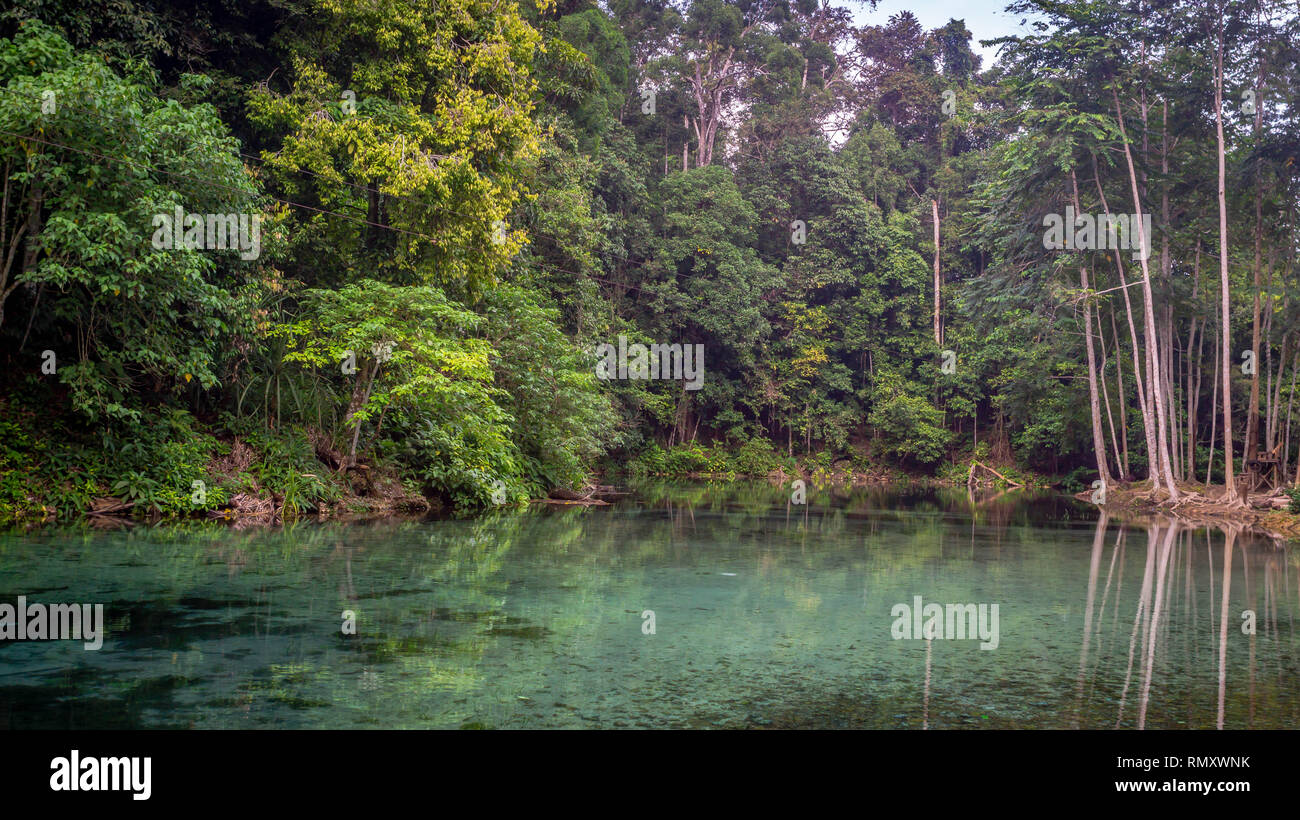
[431,216]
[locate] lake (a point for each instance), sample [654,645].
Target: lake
[688,605]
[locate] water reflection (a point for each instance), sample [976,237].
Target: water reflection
[1177,647]
[768,613]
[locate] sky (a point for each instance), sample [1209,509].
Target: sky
[984,18]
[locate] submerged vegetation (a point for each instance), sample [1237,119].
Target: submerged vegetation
[323,255]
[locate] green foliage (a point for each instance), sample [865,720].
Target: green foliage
[285,466]
[756,457]
[144,318]
[474,197]
[48,468]
[911,429]
[427,146]
[560,421]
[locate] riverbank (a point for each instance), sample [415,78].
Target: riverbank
[253,476]
[1201,506]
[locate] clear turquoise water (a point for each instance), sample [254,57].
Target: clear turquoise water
[766,615]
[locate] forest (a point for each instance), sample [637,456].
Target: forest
[314,255]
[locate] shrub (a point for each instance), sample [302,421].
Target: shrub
[911,429]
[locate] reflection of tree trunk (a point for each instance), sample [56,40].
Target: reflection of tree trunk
[1250,605]
[1166,547]
[1098,541]
[1138,618]
[1230,537]
[1116,552]
[925,702]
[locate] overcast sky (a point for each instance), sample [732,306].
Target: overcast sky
[984,18]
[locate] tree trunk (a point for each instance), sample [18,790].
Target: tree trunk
[1214,413]
[1105,397]
[938,334]
[1161,456]
[1123,407]
[1252,409]
[1148,427]
[360,395]
[1094,406]
[1225,319]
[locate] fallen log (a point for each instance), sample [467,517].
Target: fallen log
[970,477]
[579,502]
[565,494]
[109,506]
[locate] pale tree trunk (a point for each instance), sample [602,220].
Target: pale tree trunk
[1274,430]
[1273,394]
[1194,393]
[1251,443]
[1214,412]
[709,86]
[1167,345]
[1105,397]
[1119,383]
[1140,385]
[1174,396]
[1290,400]
[1161,456]
[1195,407]
[685,145]
[1230,495]
[1252,410]
[1094,406]
[938,333]
[1271,430]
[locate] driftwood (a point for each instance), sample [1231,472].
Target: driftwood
[608,493]
[1275,500]
[590,493]
[581,502]
[109,506]
[564,494]
[970,477]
